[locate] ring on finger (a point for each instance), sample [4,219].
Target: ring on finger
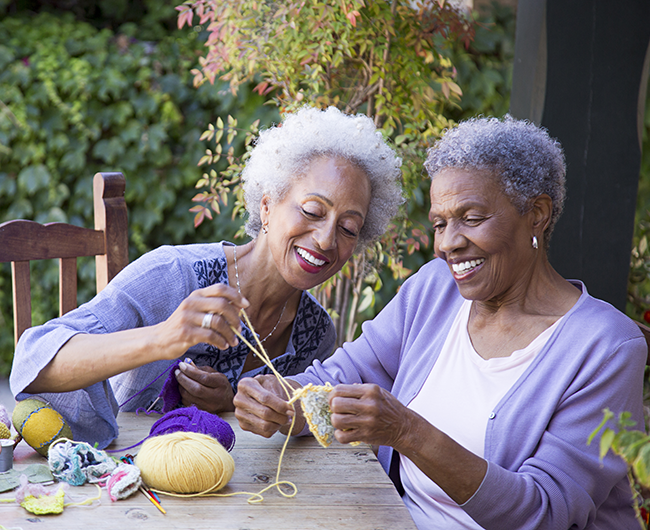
[207,320]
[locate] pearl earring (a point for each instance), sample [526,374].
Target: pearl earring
[535,244]
[265,229]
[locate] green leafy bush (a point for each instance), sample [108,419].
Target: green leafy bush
[75,100]
[638,306]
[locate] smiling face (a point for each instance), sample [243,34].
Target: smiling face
[314,228]
[481,235]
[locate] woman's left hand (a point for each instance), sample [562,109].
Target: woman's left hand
[204,387]
[367,413]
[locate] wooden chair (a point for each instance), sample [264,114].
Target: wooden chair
[22,241]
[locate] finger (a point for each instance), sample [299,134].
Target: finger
[194,376]
[251,423]
[351,391]
[255,399]
[214,329]
[348,436]
[224,327]
[225,291]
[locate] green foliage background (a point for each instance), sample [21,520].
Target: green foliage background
[107,87]
[75,100]
[484,73]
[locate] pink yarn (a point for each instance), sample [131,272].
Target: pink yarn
[115,477]
[35,490]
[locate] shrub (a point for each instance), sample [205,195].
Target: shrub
[75,100]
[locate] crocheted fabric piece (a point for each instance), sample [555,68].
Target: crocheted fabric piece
[35,498]
[34,473]
[44,504]
[170,393]
[78,462]
[316,408]
[124,481]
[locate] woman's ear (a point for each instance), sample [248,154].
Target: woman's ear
[265,209]
[542,211]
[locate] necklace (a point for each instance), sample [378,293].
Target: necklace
[234,252]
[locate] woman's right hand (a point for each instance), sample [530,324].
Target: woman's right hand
[184,328]
[261,406]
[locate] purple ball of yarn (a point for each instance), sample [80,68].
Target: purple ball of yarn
[191,419]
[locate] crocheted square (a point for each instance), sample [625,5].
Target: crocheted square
[44,504]
[316,408]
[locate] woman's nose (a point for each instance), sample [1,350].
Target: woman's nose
[449,239]
[325,236]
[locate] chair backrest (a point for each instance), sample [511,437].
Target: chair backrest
[23,241]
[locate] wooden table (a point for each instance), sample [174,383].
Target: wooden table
[341,487]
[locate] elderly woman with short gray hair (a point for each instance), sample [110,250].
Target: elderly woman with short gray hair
[318,187]
[481,381]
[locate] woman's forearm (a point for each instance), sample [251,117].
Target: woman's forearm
[456,470]
[90,358]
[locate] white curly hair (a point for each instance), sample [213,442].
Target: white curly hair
[282,155]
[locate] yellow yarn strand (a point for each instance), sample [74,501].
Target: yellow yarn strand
[261,353]
[165,482]
[87,501]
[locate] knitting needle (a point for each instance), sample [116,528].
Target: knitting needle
[147,492]
[154,502]
[153,404]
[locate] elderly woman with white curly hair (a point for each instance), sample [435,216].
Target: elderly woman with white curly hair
[319,187]
[481,381]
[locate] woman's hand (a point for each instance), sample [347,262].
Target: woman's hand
[368,413]
[204,387]
[189,325]
[261,406]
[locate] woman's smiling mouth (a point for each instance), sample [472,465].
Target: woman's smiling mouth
[466,266]
[308,259]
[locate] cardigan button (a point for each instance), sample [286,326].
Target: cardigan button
[492,415]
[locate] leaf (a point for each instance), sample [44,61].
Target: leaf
[641,466]
[367,300]
[207,135]
[606,441]
[607,415]
[33,178]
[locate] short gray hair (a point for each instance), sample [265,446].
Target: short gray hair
[522,156]
[282,155]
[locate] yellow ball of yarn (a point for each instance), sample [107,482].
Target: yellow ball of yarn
[39,424]
[184,462]
[4,431]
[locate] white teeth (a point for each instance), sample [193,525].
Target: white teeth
[461,268]
[312,260]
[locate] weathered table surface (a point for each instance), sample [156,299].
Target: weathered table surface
[341,487]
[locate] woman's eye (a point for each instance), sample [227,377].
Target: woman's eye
[349,232]
[309,213]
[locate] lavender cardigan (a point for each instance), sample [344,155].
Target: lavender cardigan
[541,472]
[147,292]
